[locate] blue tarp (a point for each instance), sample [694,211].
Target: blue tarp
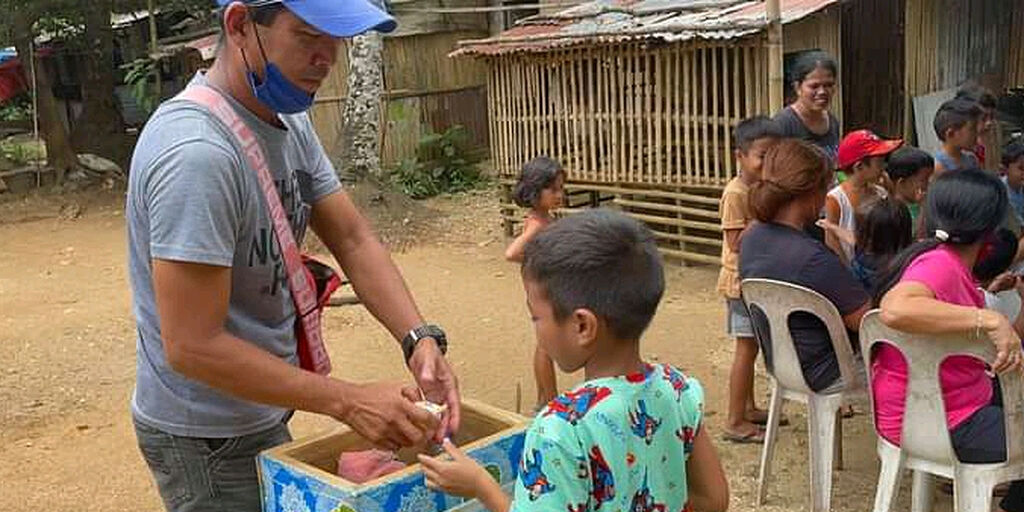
[7,54]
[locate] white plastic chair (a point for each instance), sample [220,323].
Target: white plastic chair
[778,301]
[926,446]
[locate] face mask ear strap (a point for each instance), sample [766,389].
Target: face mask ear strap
[259,41]
[246,61]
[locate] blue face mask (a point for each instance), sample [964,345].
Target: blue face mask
[275,90]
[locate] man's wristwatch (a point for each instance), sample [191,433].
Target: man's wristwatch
[412,339]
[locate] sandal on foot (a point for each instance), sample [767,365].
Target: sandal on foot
[755,437]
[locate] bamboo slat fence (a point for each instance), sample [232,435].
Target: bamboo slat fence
[630,113]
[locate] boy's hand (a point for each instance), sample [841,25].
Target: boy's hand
[1003,282]
[456,474]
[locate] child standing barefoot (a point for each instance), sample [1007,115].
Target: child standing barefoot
[753,137]
[633,436]
[539,189]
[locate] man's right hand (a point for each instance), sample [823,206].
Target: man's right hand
[385,414]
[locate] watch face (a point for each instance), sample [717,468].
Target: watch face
[430,331]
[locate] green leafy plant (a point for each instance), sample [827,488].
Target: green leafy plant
[21,152]
[137,75]
[18,108]
[445,163]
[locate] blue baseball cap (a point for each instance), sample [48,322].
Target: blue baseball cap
[339,18]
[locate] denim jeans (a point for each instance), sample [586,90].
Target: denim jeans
[206,475]
[982,439]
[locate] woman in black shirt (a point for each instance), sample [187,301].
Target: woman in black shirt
[814,75]
[785,201]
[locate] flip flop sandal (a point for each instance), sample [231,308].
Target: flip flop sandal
[751,438]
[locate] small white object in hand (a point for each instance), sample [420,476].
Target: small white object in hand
[432,408]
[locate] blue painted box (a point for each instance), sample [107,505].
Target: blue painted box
[301,476]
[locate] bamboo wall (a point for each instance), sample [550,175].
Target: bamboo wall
[951,41]
[628,113]
[1015,60]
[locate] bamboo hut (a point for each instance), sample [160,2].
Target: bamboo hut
[638,101]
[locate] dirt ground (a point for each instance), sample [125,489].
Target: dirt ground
[67,354]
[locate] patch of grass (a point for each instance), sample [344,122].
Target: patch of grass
[22,151]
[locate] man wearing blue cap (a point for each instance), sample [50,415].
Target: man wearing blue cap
[217,373]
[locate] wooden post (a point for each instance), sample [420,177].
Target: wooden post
[617,111]
[631,101]
[716,126]
[492,119]
[775,71]
[601,74]
[689,167]
[566,133]
[749,78]
[705,139]
[592,111]
[153,48]
[496,20]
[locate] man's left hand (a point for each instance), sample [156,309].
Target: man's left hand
[435,377]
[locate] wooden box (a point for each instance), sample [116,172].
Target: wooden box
[301,476]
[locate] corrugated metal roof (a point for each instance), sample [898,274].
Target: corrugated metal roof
[610,21]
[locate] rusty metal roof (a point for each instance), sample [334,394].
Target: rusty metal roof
[612,21]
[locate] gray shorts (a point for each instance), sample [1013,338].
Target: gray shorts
[197,474]
[737,320]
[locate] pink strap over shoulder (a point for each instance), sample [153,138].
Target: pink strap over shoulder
[303,289]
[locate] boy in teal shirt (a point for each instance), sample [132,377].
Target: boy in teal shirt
[632,436]
[910,170]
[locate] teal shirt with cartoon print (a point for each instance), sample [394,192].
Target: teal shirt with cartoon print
[614,444]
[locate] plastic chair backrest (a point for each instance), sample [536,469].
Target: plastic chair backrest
[927,437]
[778,300]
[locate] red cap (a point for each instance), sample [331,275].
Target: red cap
[862,144]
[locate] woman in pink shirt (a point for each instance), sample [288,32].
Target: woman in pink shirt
[929,290]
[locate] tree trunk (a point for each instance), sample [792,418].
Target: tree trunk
[60,154]
[359,146]
[101,119]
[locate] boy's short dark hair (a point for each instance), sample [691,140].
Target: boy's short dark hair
[999,259]
[906,161]
[754,128]
[602,261]
[1012,152]
[954,114]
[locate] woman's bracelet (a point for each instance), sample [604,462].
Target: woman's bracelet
[977,324]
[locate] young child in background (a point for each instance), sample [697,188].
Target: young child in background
[981,95]
[996,282]
[540,188]
[956,124]
[910,170]
[632,436]
[862,156]
[753,138]
[884,229]
[1013,177]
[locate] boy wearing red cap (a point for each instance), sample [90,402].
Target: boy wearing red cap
[862,157]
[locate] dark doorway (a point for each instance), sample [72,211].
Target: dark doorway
[873,65]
